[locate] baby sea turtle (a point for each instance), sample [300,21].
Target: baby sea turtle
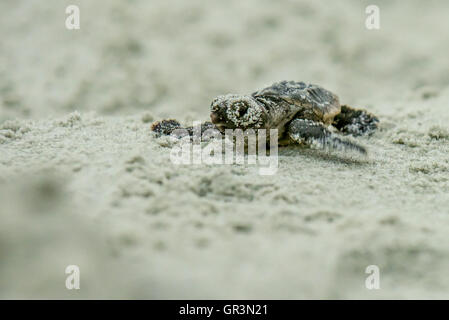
[303,113]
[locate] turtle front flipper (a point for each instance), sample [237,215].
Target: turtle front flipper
[317,135]
[356,122]
[167,127]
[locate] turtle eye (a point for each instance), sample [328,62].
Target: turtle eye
[243,108]
[240,108]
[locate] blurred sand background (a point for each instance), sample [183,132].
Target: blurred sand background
[84,182]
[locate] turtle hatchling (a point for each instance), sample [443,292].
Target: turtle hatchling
[305,114]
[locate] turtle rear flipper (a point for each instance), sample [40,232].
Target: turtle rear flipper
[316,135]
[356,122]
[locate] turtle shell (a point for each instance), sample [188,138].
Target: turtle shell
[313,102]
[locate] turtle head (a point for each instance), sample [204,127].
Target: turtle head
[233,111]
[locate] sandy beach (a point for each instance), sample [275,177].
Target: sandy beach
[84,181]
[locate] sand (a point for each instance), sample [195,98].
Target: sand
[84,182]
